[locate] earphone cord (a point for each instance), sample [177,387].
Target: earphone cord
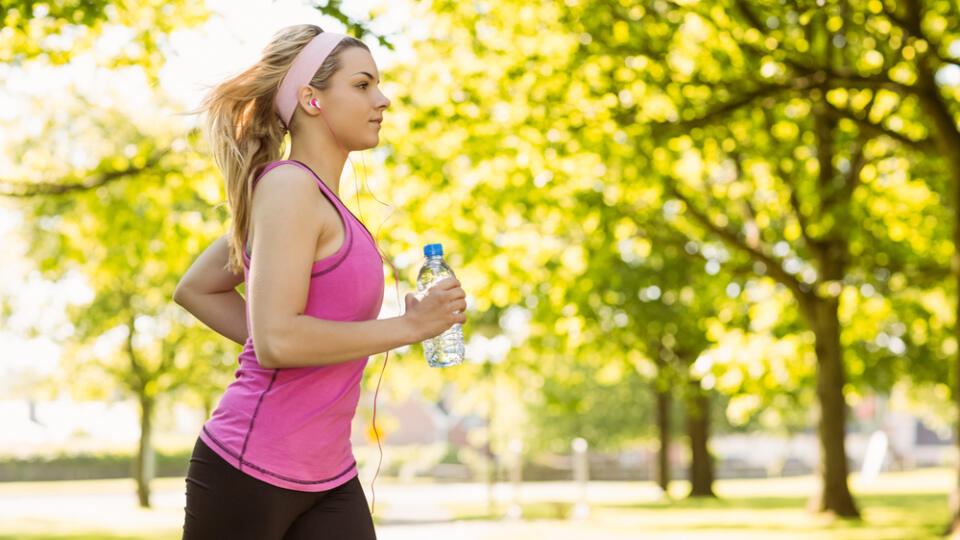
[396,278]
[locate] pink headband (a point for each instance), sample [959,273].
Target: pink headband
[304,66]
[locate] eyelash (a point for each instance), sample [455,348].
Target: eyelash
[363,85]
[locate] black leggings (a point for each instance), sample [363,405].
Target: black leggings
[223,502]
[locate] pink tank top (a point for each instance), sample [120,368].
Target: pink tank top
[291,427]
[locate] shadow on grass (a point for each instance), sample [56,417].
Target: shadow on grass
[914,503]
[888,515]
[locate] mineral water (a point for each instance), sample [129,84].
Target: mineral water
[446,349]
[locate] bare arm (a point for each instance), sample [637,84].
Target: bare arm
[209,292]
[290,216]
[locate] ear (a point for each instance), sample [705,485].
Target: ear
[304,96]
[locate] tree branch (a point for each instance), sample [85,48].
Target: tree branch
[356,28]
[804,223]
[912,25]
[725,108]
[32,189]
[753,231]
[945,59]
[926,144]
[773,266]
[857,164]
[847,77]
[748,14]
[911,22]
[788,180]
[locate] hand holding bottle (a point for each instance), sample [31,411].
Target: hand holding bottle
[446,349]
[436,309]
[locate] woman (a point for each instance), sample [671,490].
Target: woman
[274,460]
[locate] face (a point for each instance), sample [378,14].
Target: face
[353,103]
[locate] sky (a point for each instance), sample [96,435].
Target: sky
[229,41]
[233,38]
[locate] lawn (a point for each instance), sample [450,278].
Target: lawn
[898,506]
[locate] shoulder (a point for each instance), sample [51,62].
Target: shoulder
[286,178]
[286,188]
[290,192]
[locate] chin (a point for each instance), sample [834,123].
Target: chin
[360,146]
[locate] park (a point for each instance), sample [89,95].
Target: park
[709,250]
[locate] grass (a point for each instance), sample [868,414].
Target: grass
[901,506]
[884,517]
[898,506]
[888,516]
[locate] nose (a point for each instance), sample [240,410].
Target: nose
[383,102]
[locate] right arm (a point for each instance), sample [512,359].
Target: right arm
[289,216]
[209,292]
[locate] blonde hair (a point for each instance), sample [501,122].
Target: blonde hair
[242,126]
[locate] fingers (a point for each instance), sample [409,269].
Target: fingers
[447,283]
[456,300]
[448,289]
[459,305]
[447,296]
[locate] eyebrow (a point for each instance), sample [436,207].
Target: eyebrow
[365,73]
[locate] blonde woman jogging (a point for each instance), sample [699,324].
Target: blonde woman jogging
[274,460]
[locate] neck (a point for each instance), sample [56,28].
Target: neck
[322,154]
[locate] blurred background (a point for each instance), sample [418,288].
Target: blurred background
[710,250]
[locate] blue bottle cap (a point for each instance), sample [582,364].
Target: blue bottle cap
[430,250]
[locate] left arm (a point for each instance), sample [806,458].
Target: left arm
[209,292]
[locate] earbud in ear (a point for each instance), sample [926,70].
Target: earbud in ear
[315,104]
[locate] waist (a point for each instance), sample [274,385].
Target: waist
[291,424]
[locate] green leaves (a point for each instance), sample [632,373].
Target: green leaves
[114,34]
[663,189]
[115,192]
[630,154]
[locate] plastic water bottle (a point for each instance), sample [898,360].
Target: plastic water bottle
[446,349]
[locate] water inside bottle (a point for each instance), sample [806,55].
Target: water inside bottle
[447,349]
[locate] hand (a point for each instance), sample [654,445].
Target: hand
[436,309]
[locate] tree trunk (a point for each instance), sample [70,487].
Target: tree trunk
[698,429]
[145,464]
[947,138]
[834,495]
[663,427]
[954,527]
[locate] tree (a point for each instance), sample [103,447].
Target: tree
[537,210]
[84,177]
[653,291]
[701,110]
[130,240]
[55,34]
[701,88]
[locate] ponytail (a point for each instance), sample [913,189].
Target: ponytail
[243,128]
